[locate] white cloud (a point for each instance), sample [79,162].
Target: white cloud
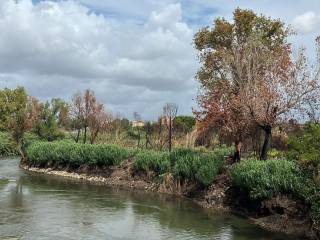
[57,48]
[307,22]
[136,55]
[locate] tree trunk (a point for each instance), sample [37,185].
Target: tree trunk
[266,143]
[78,136]
[237,152]
[147,140]
[170,134]
[93,137]
[20,149]
[85,135]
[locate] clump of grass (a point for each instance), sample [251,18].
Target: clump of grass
[146,160]
[264,179]
[203,166]
[211,166]
[66,152]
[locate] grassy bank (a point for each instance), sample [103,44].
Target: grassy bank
[192,165]
[265,179]
[260,180]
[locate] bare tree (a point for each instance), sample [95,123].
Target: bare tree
[76,112]
[170,111]
[89,105]
[99,121]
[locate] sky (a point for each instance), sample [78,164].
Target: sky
[136,55]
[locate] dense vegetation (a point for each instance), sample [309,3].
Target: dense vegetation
[73,154]
[186,164]
[249,82]
[265,179]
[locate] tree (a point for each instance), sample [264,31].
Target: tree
[170,111]
[61,108]
[90,102]
[16,114]
[247,76]
[148,131]
[99,121]
[286,87]
[184,123]
[77,114]
[49,119]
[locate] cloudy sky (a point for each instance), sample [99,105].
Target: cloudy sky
[135,54]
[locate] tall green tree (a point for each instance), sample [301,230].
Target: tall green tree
[16,114]
[47,125]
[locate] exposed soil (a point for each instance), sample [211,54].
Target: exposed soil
[280,214]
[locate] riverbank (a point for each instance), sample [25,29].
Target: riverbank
[280,214]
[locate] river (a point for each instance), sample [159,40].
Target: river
[34,206]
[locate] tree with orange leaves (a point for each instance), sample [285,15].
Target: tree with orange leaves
[247,76]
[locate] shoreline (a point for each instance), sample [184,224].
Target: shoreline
[216,198]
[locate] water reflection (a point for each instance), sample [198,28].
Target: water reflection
[35,206]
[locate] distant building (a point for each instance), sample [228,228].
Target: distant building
[138,123]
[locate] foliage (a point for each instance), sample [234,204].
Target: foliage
[184,123]
[306,149]
[50,115]
[275,154]
[67,152]
[147,160]
[202,166]
[247,76]
[193,165]
[264,179]
[7,145]
[16,114]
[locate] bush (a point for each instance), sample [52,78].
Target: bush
[211,166]
[305,149]
[75,154]
[194,165]
[185,163]
[202,166]
[264,179]
[147,160]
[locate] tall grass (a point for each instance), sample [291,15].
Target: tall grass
[186,164]
[264,179]
[65,152]
[146,160]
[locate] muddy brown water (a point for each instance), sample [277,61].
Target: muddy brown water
[34,206]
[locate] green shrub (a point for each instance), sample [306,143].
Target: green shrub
[75,154]
[264,179]
[305,149]
[185,165]
[147,160]
[202,166]
[211,166]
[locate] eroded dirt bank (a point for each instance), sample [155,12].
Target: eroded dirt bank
[280,214]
